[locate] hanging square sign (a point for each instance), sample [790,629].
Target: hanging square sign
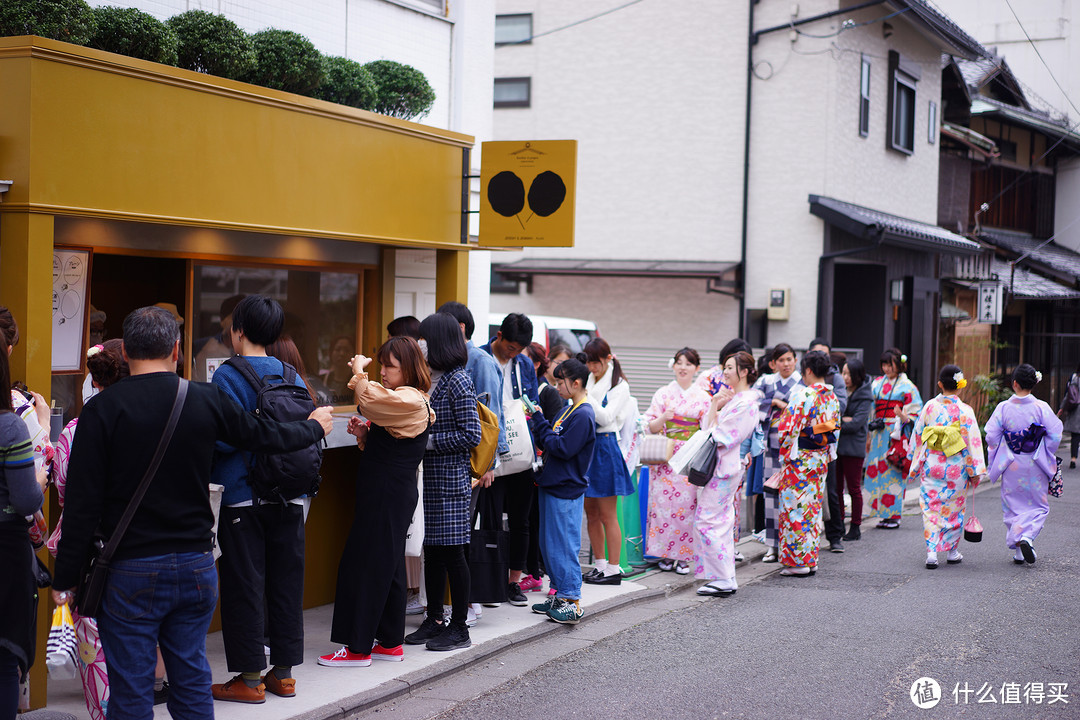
[527,193]
[990,302]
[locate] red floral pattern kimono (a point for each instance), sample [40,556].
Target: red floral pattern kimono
[803,474]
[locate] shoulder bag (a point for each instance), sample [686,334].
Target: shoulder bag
[96,570]
[703,465]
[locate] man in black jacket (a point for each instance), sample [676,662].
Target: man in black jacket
[162,585]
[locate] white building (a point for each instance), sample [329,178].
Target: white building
[841,191]
[452,43]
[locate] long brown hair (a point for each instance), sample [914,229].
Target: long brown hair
[410,359]
[285,350]
[597,350]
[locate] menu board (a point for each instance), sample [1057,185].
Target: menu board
[71,284]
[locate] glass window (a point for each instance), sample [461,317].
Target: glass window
[902,78]
[515,29]
[321,311]
[864,98]
[513,92]
[931,123]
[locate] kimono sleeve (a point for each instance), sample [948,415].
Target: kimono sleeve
[976,463]
[735,424]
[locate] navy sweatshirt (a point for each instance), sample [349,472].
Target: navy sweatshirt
[568,452]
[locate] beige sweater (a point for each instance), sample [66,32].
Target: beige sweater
[403,412]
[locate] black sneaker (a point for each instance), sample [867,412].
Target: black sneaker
[427,630]
[515,597]
[162,695]
[453,637]
[836,546]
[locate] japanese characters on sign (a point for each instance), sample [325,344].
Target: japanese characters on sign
[990,302]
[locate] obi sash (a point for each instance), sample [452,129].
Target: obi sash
[817,437]
[947,439]
[681,428]
[1025,442]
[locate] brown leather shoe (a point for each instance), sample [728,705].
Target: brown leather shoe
[283,687]
[236,690]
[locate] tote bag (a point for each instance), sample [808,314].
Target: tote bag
[521,455]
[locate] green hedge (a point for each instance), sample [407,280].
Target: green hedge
[212,44]
[346,82]
[401,91]
[68,20]
[131,32]
[285,60]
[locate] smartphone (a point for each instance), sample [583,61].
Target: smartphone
[530,406]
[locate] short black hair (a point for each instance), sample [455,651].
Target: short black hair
[780,350]
[573,369]
[817,362]
[819,341]
[463,315]
[260,318]
[733,346]
[150,333]
[516,328]
[446,348]
[1024,376]
[404,326]
[690,354]
[857,371]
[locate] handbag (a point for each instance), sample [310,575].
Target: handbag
[62,649]
[656,449]
[973,529]
[1055,486]
[489,552]
[414,537]
[521,454]
[773,483]
[482,456]
[96,570]
[702,467]
[681,459]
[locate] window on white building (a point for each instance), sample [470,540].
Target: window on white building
[931,123]
[903,75]
[864,98]
[513,92]
[513,29]
[432,7]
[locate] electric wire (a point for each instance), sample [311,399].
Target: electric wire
[573,24]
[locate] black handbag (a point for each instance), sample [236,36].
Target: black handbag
[489,552]
[91,590]
[703,465]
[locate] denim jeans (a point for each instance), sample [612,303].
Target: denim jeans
[560,542]
[164,600]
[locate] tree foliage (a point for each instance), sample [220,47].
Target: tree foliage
[212,44]
[347,82]
[285,60]
[402,91]
[131,32]
[68,20]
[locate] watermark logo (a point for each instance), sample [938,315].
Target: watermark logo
[925,693]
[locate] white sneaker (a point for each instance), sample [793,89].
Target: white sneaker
[413,605]
[476,611]
[739,557]
[759,536]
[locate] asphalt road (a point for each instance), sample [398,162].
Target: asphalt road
[847,643]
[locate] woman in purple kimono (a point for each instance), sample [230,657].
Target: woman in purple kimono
[1023,436]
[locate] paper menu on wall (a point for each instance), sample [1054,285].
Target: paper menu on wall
[71,275]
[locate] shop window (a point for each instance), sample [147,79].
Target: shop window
[321,310]
[513,92]
[864,98]
[513,29]
[903,75]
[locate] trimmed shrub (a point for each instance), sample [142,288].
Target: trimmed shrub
[212,44]
[285,60]
[346,82]
[68,20]
[134,33]
[401,91]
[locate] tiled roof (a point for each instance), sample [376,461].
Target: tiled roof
[945,27]
[870,223]
[1051,255]
[1030,286]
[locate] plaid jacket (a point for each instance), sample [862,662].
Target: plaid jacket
[447,487]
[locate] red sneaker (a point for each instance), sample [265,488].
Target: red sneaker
[394,654]
[344,658]
[529,583]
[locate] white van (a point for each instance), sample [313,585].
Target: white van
[549,330]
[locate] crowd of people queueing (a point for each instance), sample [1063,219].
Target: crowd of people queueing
[794,432]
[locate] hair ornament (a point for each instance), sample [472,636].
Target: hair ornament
[903,358]
[671,363]
[1038,376]
[958,378]
[94,351]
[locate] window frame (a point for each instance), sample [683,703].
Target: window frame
[864,96]
[527,102]
[527,40]
[903,78]
[931,122]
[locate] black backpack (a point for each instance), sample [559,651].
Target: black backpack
[281,476]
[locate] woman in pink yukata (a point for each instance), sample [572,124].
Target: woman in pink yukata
[947,458]
[1023,435]
[733,414]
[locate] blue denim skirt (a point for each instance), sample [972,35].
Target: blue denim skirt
[608,474]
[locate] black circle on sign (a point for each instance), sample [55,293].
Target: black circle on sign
[546,194]
[506,193]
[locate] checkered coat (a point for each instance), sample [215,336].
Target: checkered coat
[447,486]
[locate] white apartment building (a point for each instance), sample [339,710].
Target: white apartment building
[452,43]
[841,194]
